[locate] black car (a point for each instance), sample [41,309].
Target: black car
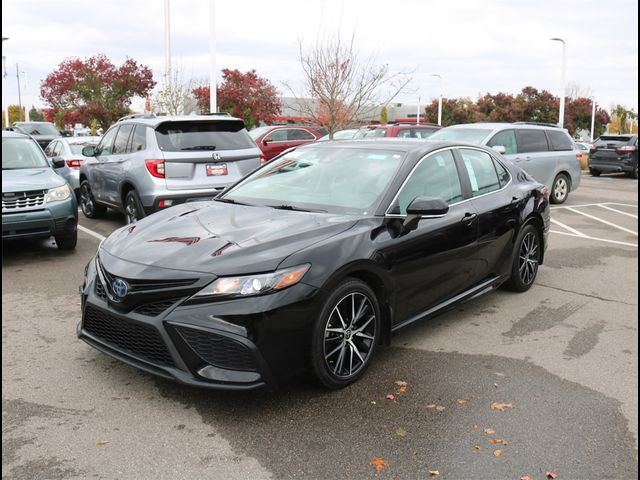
[312,260]
[41,132]
[614,153]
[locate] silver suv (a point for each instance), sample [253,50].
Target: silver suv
[544,151]
[146,163]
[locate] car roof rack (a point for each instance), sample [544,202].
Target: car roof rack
[221,114]
[540,124]
[137,115]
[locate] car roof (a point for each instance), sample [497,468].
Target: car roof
[154,121]
[10,134]
[79,139]
[503,125]
[406,145]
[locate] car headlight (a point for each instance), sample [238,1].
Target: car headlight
[257,284]
[58,193]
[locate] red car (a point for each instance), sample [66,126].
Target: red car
[401,130]
[276,139]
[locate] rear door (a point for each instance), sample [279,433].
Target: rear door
[534,156]
[205,154]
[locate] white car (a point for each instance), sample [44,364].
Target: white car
[70,149]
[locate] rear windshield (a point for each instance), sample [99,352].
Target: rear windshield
[183,136]
[619,139]
[471,135]
[20,153]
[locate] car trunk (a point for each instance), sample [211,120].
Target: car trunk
[607,153]
[205,154]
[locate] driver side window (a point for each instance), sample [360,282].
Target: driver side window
[435,176]
[105,147]
[277,136]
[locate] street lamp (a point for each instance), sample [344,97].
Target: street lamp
[5,112]
[439,98]
[593,115]
[213,102]
[564,74]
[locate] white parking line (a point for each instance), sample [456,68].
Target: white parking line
[567,227]
[91,232]
[595,205]
[618,211]
[587,237]
[602,221]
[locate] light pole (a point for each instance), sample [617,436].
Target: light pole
[418,111]
[5,111]
[593,115]
[564,74]
[439,97]
[167,44]
[19,93]
[213,105]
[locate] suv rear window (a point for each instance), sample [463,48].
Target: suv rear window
[618,139]
[559,140]
[214,135]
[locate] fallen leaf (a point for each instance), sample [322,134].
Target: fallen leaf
[380,463]
[497,453]
[551,474]
[390,397]
[402,389]
[489,431]
[463,402]
[431,405]
[498,374]
[401,383]
[495,385]
[501,406]
[440,408]
[101,442]
[498,440]
[477,446]
[434,473]
[373,402]
[525,477]
[401,432]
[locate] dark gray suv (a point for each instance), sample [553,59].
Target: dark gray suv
[146,163]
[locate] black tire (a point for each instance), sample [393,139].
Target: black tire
[634,174]
[594,173]
[560,189]
[88,205]
[526,259]
[133,210]
[336,331]
[67,242]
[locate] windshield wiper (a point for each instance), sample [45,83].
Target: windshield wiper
[200,147]
[233,202]
[296,209]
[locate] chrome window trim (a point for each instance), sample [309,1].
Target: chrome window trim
[399,215]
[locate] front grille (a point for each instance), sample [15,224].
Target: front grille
[154,309]
[15,201]
[137,339]
[145,285]
[218,350]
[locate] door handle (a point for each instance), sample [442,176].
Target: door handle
[469,218]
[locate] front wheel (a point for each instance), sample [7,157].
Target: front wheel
[67,242]
[560,189]
[133,207]
[526,260]
[594,173]
[345,335]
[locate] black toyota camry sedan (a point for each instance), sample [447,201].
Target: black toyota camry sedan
[311,261]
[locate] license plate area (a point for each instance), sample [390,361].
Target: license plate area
[217,169]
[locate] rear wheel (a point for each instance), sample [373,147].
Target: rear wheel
[594,173]
[345,335]
[560,189]
[526,260]
[634,174]
[89,207]
[133,210]
[67,242]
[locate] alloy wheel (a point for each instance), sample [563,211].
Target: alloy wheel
[131,210]
[529,258]
[349,335]
[560,189]
[86,202]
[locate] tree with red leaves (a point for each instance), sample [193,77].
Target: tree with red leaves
[94,88]
[243,95]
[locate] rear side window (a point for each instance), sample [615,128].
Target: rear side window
[299,134]
[506,139]
[213,135]
[531,141]
[559,140]
[482,172]
[503,175]
[120,145]
[139,139]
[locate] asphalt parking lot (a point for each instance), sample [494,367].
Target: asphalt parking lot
[506,385]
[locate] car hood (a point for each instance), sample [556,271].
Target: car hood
[223,239]
[26,179]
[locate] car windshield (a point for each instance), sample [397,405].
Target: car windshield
[256,132]
[471,135]
[202,135]
[38,128]
[335,180]
[20,153]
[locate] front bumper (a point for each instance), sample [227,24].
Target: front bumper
[54,218]
[239,344]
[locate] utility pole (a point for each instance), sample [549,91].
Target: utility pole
[167,44]
[5,111]
[19,93]
[213,102]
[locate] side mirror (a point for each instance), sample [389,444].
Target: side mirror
[424,207]
[58,162]
[500,149]
[89,151]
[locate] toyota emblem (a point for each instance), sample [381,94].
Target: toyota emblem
[120,288]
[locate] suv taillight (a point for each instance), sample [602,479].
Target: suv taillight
[626,149]
[74,163]
[155,167]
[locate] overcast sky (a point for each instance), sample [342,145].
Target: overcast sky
[477,46]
